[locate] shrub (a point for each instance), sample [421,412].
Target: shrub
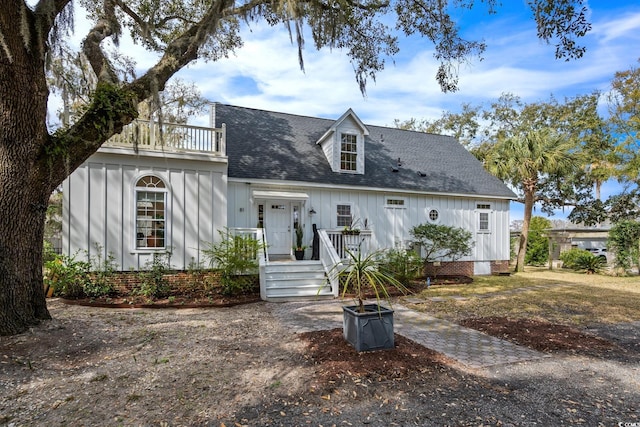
[236,258]
[67,276]
[537,243]
[623,241]
[570,258]
[153,283]
[48,253]
[402,265]
[442,242]
[589,263]
[582,260]
[101,283]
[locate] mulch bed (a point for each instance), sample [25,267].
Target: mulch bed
[338,362]
[541,335]
[174,302]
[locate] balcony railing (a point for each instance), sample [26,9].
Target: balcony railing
[144,134]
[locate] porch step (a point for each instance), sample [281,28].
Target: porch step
[295,280]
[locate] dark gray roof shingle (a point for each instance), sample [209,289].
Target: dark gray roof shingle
[270,145]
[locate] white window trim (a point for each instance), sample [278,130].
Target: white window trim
[483,210]
[428,212]
[134,213]
[335,211]
[357,152]
[396,206]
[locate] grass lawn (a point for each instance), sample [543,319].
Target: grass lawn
[557,296]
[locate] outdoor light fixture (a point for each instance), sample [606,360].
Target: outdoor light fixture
[312,211]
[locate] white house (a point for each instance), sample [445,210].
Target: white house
[268,173]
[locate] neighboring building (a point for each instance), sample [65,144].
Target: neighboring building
[592,239]
[276,171]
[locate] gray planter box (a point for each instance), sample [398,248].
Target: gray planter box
[368,331]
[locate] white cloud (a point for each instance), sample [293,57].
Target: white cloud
[625,26]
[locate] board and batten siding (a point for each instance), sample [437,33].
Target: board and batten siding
[99,206]
[389,224]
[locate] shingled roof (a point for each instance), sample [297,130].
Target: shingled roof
[278,146]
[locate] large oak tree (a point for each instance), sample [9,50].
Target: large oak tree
[34,161]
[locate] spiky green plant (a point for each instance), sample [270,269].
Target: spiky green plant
[589,263]
[363,273]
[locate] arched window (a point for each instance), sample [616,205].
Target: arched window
[151,212]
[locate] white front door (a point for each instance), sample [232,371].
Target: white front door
[278,225]
[396,218]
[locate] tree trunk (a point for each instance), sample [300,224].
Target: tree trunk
[529,195]
[25,188]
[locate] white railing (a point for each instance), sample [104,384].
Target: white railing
[170,136]
[352,242]
[330,261]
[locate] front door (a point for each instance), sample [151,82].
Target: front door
[278,225]
[397,223]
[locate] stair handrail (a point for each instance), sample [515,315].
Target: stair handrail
[330,261]
[263,260]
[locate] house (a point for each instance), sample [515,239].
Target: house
[591,239]
[154,188]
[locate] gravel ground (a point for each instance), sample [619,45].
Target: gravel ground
[239,366]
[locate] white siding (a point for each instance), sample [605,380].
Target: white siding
[371,206]
[99,206]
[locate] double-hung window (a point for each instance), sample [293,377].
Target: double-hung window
[348,152]
[151,212]
[483,217]
[344,216]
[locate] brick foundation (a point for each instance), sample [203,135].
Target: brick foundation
[181,282]
[462,268]
[449,268]
[499,267]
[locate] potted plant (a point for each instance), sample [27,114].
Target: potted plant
[368,327]
[351,229]
[298,249]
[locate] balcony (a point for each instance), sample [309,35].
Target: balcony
[147,135]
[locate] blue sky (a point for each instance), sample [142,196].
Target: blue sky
[265,73]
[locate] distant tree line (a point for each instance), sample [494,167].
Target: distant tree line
[557,154]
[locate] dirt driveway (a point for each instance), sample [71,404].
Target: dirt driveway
[240,366]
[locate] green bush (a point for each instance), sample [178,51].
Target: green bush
[623,241]
[582,260]
[402,265]
[153,283]
[101,283]
[569,258]
[537,243]
[589,263]
[48,253]
[236,256]
[67,276]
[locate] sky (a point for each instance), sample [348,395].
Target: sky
[265,72]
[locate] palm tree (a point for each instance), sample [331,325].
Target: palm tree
[523,161]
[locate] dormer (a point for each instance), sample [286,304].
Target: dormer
[343,144]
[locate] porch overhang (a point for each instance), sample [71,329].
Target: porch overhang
[279,195]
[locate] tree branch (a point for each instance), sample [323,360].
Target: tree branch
[114,106]
[180,52]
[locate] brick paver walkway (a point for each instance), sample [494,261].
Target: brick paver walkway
[467,346]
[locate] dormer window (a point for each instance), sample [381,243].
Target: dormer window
[348,152]
[343,144]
